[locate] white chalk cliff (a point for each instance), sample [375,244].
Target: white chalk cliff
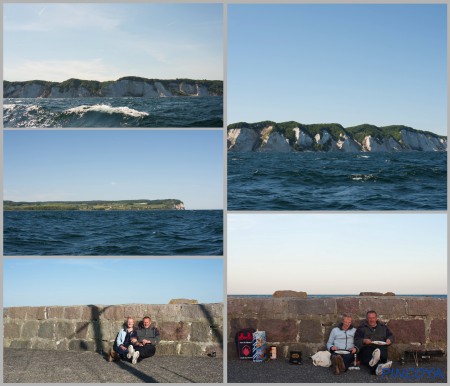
[123,87]
[272,137]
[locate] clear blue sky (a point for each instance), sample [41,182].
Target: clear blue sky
[349,64]
[337,253]
[107,41]
[81,281]
[46,165]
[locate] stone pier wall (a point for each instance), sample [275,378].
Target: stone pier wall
[305,324]
[186,329]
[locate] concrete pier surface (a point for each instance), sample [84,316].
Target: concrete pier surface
[281,371]
[50,366]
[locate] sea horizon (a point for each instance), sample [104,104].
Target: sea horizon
[443,296]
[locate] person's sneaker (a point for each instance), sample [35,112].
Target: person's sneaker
[341,364]
[382,366]
[130,351]
[135,357]
[375,357]
[335,364]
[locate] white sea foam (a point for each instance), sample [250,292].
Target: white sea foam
[9,106]
[81,110]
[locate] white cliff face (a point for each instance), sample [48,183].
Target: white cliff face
[32,90]
[129,88]
[420,141]
[267,140]
[302,139]
[347,145]
[241,139]
[69,93]
[276,142]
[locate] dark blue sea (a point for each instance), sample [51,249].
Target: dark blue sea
[167,232]
[113,112]
[337,181]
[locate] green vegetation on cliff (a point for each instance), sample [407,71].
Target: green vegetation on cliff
[95,205]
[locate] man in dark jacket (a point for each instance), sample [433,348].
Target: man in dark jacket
[372,338]
[147,339]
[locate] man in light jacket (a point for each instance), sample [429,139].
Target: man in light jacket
[342,339]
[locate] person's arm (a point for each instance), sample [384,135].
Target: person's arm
[330,342]
[120,338]
[157,337]
[359,337]
[389,336]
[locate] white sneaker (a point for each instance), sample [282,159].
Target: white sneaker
[130,351]
[382,366]
[375,357]
[135,357]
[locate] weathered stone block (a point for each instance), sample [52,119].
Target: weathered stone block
[407,331]
[290,294]
[30,329]
[212,310]
[44,345]
[62,345]
[427,306]
[20,344]
[100,330]
[438,330]
[133,310]
[200,332]
[35,313]
[81,345]
[347,306]
[191,349]
[316,306]
[272,308]
[11,330]
[72,313]
[113,313]
[55,312]
[167,349]
[237,324]
[91,312]
[64,330]
[17,312]
[81,330]
[231,350]
[244,307]
[47,330]
[311,331]
[183,301]
[383,306]
[279,330]
[174,331]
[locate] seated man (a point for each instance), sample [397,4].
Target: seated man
[144,346]
[342,338]
[372,339]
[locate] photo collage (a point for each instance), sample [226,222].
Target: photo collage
[224,192]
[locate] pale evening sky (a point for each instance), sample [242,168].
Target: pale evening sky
[337,253]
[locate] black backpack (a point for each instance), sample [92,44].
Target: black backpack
[244,340]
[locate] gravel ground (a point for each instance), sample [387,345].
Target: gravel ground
[38,366]
[281,371]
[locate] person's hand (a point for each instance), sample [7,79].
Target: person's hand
[145,341]
[353,350]
[123,347]
[333,348]
[388,341]
[367,341]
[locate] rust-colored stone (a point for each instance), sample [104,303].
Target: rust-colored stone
[72,313]
[55,312]
[113,313]
[237,324]
[427,306]
[279,330]
[347,306]
[174,331]
[438,330]
[183,301]
[315,306]
[290,294]
[407,331]
[311,331]
[383,306]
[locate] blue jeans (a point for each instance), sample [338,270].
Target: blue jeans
[122,352]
